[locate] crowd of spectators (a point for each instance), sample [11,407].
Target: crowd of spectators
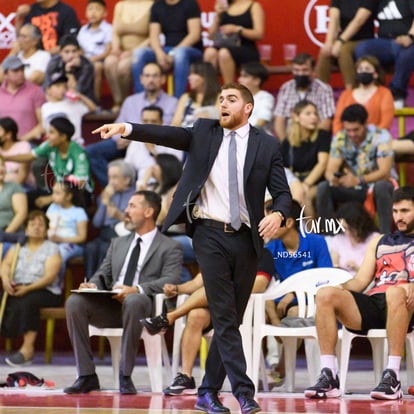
[333,152]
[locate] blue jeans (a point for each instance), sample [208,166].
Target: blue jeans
[188,255]
[183,57]
[67,251]
[387,51]
[100,154]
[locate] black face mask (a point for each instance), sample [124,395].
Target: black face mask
[302,81]
[365,78]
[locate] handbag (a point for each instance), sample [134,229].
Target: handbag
[230,40]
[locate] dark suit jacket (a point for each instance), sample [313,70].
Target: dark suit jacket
[162,264]
[263,168]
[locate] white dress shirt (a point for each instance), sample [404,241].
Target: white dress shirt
[213,202]
[146,241]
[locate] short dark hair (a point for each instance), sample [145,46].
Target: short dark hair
[257,70]
[294,212]
[155,64]
[355,113]
[302,58]
[403,193]
[101,2]
[10,125]
[154,108]
[68,40]
[153,199]
[37,213]
[63,126]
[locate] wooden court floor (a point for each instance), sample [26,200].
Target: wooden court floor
[47,402]
[62,372]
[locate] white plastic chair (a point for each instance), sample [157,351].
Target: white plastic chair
[246,332]
[305,285]
[155,349]
[379,345]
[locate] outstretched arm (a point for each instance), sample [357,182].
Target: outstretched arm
[109,130]
[168,136]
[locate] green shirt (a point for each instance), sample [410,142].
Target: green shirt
[75,164]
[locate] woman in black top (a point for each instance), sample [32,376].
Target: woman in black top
[306,150]
[243,19]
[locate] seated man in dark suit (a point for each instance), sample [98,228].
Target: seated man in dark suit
[138,265]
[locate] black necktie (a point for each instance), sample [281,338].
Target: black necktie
[132,264]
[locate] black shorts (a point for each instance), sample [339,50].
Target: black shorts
[409,136]
[373,310]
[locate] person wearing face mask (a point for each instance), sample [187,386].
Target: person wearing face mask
[370,92]
[303,86]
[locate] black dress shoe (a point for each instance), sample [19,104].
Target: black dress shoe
[83,385]
[209,403]
[126,386]
[248,405]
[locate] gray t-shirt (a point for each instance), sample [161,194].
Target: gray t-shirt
[6,208]
[30,265]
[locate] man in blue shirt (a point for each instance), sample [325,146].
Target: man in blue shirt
[293,250]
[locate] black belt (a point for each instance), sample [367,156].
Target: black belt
[226,227]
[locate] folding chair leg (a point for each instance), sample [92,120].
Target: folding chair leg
[289,347]
[263,372]
[101,347]
[115,343]
[50,330]
[8,345]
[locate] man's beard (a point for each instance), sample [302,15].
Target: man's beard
[231,121]
[129,225]
[409,228]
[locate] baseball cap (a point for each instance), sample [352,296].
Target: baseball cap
[13,63]
[56,77]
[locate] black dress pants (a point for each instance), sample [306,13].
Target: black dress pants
[228,263]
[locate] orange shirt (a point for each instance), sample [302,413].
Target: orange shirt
[380,108]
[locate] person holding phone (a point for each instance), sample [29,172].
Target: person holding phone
[360,168]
